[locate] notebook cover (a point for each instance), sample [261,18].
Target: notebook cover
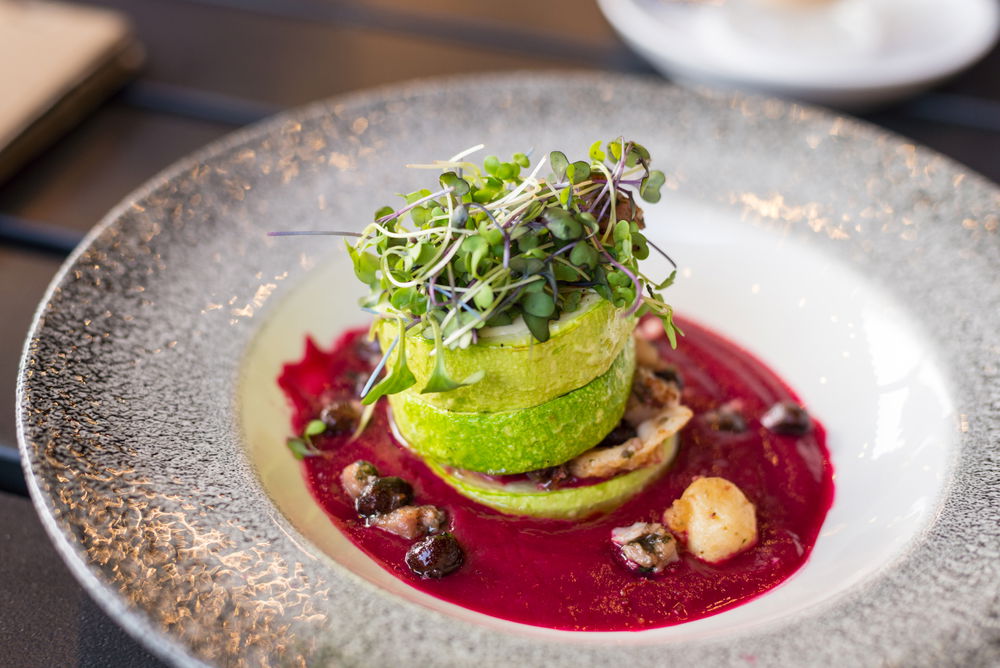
[57,62]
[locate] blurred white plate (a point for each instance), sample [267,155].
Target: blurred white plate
[898,47]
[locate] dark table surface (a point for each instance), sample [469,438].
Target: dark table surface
[215,65]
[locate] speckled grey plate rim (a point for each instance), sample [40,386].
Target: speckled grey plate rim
[59,526]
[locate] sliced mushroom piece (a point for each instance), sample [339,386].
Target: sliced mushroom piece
[637,452]
[412,521]
[648,357]
[650,395]
[355,477]
[646,353]
[646,546]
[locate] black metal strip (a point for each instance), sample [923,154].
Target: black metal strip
[952,109]
[11,474]
[35,236]
[454,29]
[192,103]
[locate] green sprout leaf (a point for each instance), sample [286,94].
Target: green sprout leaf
[300,449]
[565,272]
[588,220]
[401,298]
[454,181]
[422,253]
[623,232]
[596,154]
[636,154]
[539,327]
[314,428]
[669,327]
[476,247]
[500,319]
[649,189]
[559,162]
[365,264]
[527,241]
[614,149]
[668,281]
[420,215]
[561,224]
[578,172]
[399,377]
[539,304]
[572,301]
[583,255]
[483,297]
[439,380]
[415,195]
[566,196]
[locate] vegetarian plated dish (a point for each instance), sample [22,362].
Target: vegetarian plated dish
[526,430]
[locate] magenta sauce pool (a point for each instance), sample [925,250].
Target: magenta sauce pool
[567,574]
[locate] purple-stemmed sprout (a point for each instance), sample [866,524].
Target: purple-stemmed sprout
[313,233]
[660,251]
[431,299]
[453,299]
[412,205]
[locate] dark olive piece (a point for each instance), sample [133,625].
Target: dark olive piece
[788,418]
[621,433]
[551,477]
[435,556]
[727,419]
[671,375]
[383,495]
[340,416]
[731,421]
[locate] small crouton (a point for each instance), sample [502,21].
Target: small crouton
[715,519]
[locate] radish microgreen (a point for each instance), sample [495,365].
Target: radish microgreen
[495,242]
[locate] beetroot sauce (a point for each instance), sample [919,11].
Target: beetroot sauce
[567,574]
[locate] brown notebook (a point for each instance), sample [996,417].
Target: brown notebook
[57,62]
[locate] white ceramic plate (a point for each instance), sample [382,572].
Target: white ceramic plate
[861,268]
[886,51]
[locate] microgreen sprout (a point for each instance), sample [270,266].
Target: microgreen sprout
[303,446]
[493,243]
